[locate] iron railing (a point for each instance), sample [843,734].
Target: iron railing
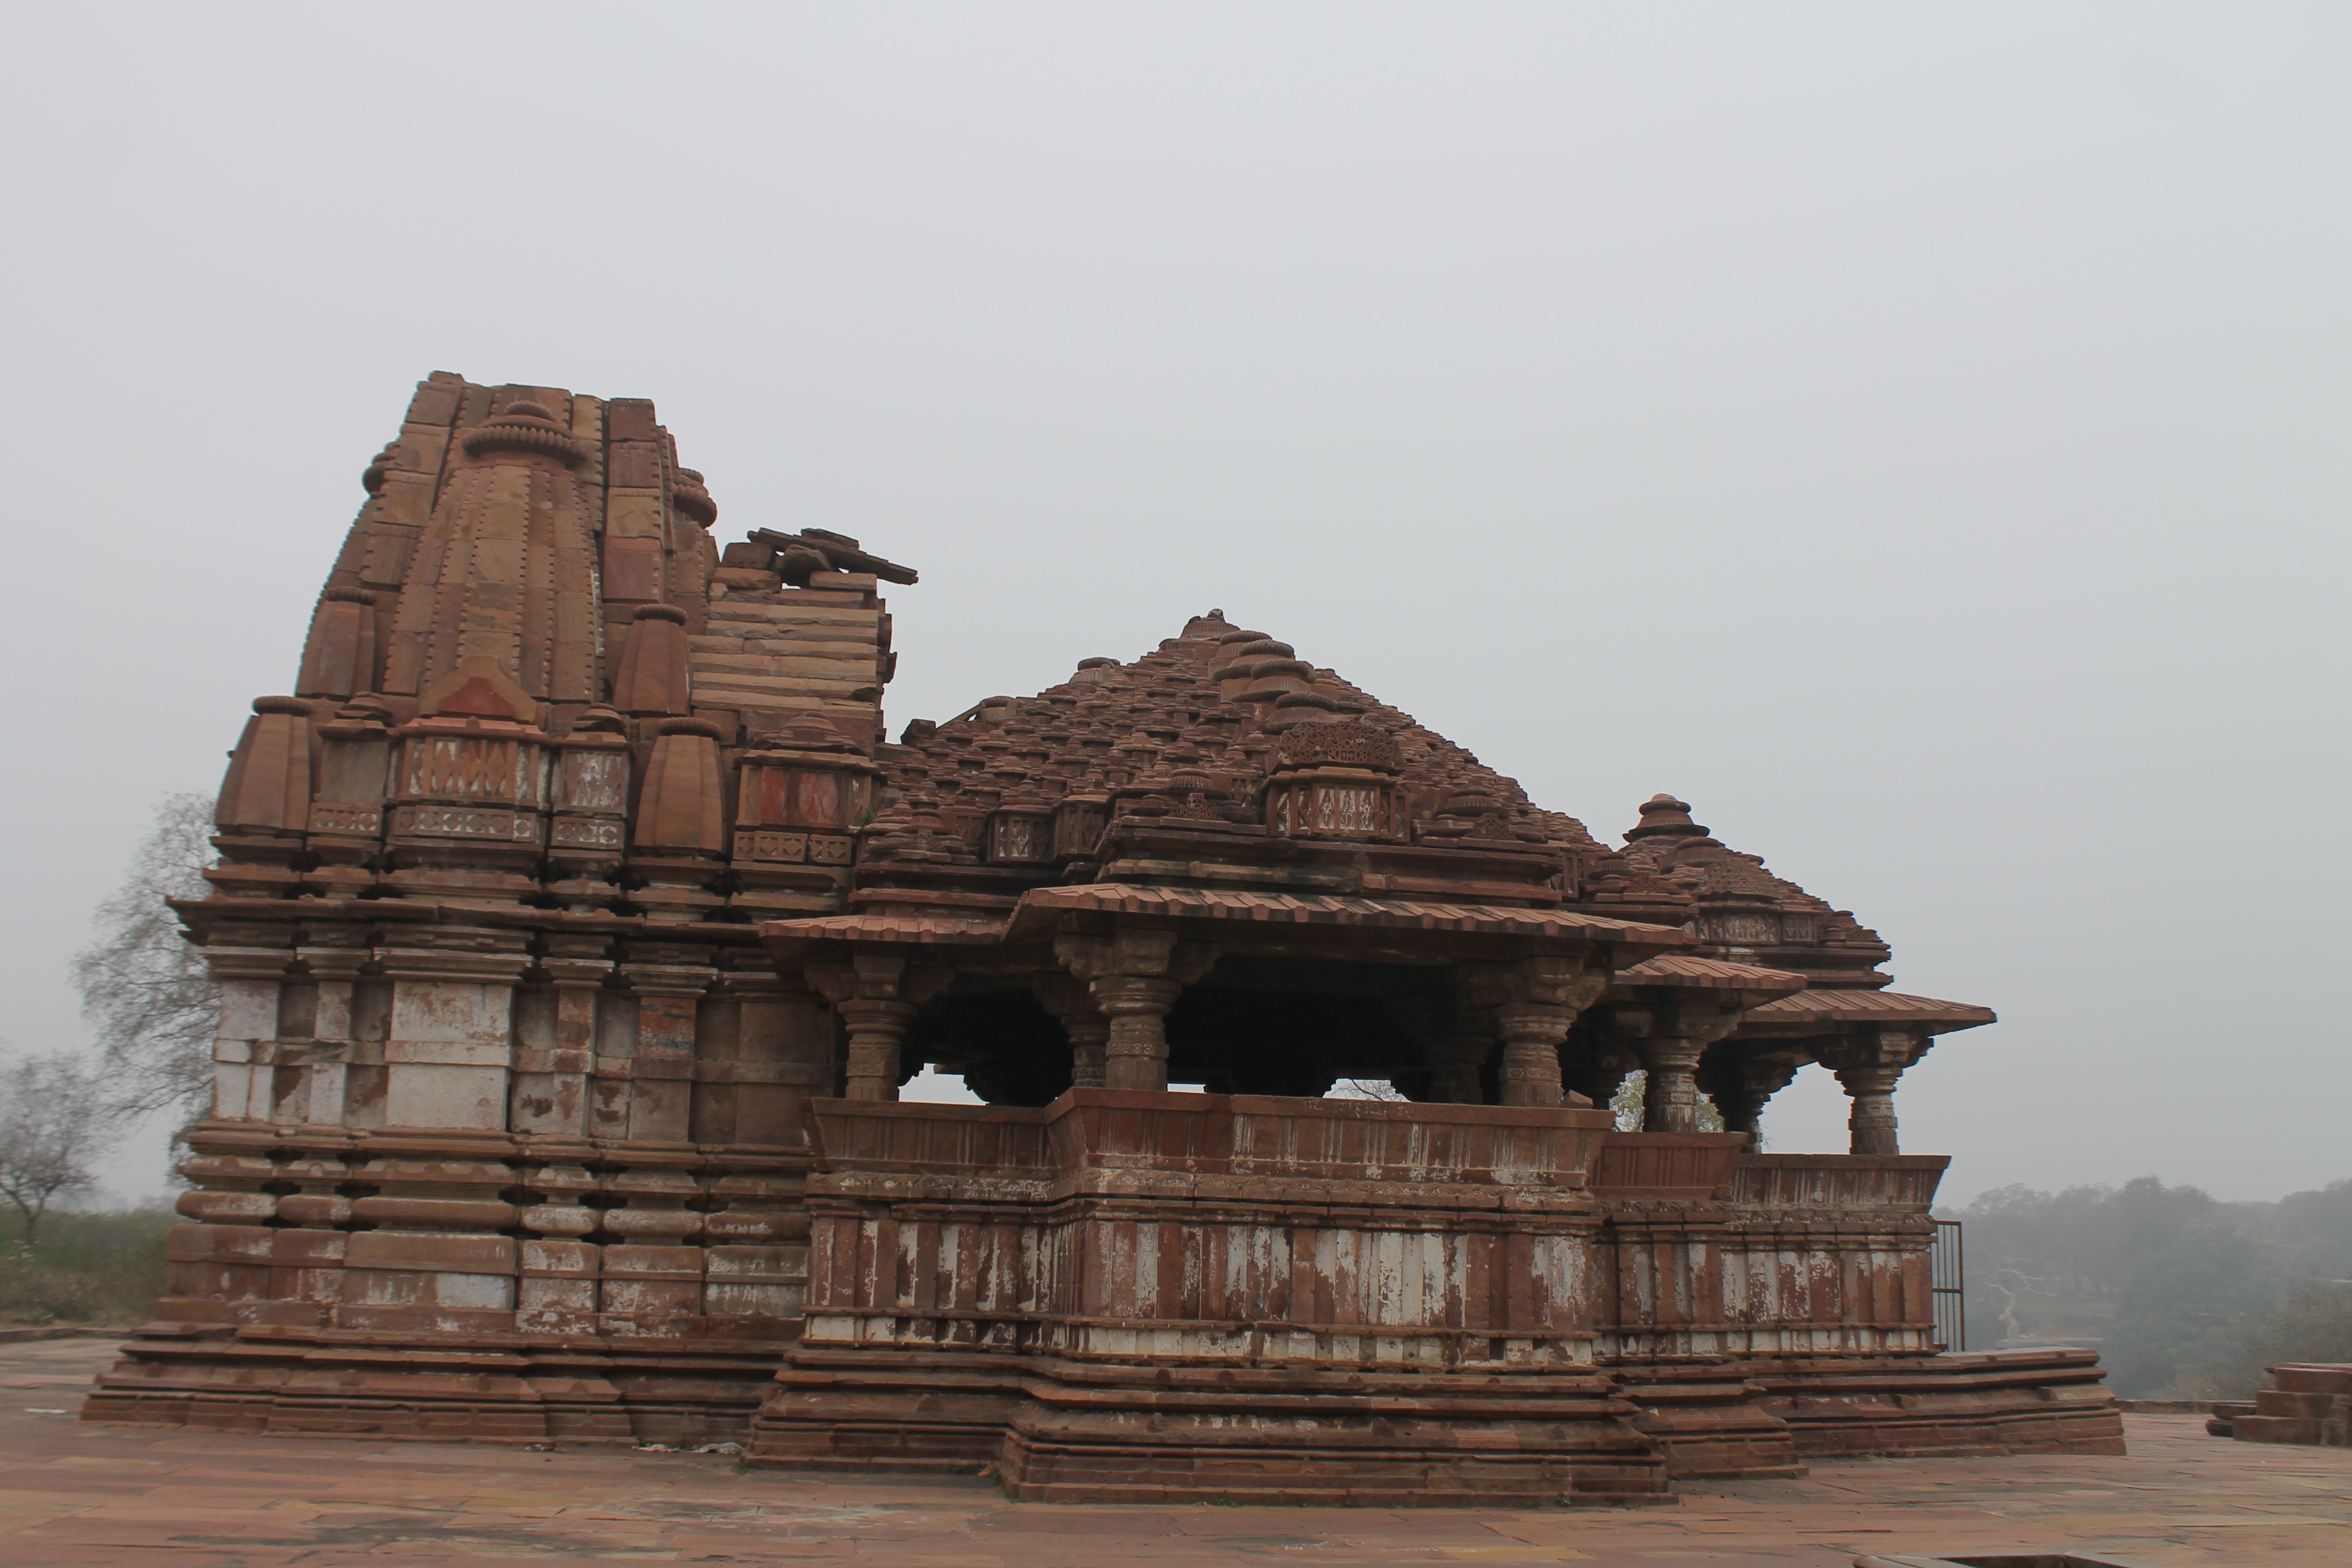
[1946,1288]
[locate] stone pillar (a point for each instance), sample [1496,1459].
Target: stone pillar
[1135,975]
[575,967]
[1598,1071]
[1866,1070]
[1135,1055]
[1533,1003]
[876,1025]
[320,1098]
[1073,1003]
[1873,1122]
[1455,1061]
[1670,1088]
[1532,1035]
[661,1087]
[244,1048]
[876,994]
[1740,1083]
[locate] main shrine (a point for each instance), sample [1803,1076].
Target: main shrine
[577,924]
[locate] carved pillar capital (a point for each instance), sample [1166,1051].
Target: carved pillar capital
[1070,1000]
[1867,1065]
[875,994]
[1533,1001]
[1671,1036]
[1135,974]
[1740,1079]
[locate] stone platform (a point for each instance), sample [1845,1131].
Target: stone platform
[1131,1296]
[161,1497]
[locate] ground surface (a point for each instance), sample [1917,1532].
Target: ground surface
[72,1493]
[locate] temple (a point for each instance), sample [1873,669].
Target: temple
[577,924]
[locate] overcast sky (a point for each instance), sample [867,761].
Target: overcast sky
[1914,433]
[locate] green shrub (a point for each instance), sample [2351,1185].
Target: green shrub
[101,1269]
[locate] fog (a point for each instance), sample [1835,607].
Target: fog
[1915,434]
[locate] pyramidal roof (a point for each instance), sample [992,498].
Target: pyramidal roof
[1215,699]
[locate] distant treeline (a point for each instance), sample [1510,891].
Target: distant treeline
[2184,1295]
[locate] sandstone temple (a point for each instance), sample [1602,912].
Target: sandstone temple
[577,922]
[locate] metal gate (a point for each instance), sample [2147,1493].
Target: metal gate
[1946,1288]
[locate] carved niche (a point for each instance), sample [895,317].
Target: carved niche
[1334,780]
[799,800]
[478,780]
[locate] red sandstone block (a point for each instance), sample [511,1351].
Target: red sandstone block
[630,419]
[2295,1407]
[392,1250]
[2277,1429]
[633,465]
[2312,1378]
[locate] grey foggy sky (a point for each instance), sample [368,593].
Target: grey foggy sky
[1915,434]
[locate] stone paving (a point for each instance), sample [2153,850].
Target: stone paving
[72,1493]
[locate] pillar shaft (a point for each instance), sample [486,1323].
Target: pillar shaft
[1134,976]
[875,1029]
[1454,1061]
[1741,1109]
[1871,1124]
[1670,1088]
[1532,1034]
[1071,1001]
[1090,1049]
[1136,1048]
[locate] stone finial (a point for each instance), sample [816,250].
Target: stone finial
[527,429]
[1664,815]
[653,675]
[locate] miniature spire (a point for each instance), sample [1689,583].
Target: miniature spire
[1664,815]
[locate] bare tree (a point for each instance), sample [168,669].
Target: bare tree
[143,989]
[2010,1285]
[57,1116]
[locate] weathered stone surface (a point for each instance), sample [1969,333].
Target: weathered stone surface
[580,868]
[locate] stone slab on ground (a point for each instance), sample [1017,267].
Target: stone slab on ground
[176,1497]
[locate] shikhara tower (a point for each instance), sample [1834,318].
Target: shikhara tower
[577,924]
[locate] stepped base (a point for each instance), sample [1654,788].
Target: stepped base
[2002,1402]
[510,1388]
[2307,1403]
[1061,1432]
